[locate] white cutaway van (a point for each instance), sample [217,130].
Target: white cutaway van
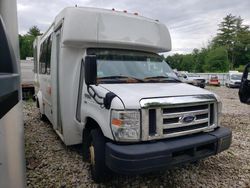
[102,84]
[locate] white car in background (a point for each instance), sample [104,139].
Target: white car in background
[233,79]
[192,79]
[27,79]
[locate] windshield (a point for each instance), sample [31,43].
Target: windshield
[131,66]
[236,77]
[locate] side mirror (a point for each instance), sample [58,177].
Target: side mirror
[185,76]
[90,68]
[244,91]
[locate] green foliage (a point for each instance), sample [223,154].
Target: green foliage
[217,60]
[34,31]
[229,49]
[26,42]
[227,30]
[175,61]
[26,46]
[188,63]
[234,36]
[241,68]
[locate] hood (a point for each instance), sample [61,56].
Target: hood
[131,94]
[235,80]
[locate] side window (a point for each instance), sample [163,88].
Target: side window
[42,60]
[35,59]
[45,56]
[48,56]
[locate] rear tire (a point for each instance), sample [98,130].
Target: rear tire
[99,170]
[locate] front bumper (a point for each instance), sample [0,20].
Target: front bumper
[214,83]
[235,85]
[152,156]
[200,84]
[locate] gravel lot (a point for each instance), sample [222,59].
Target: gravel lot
[51,164]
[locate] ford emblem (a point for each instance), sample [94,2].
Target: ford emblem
[188,118]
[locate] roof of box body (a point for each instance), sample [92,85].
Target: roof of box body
[92,27]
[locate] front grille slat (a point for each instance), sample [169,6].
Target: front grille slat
[185,109]
[152,121]
[197,112]
[211,118]
[186,128]
[179,124]
[202,116]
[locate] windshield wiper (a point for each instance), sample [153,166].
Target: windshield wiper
[162,77]
[175,79]
[155,77]
[120,77]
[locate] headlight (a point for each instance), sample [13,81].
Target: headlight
[126,125]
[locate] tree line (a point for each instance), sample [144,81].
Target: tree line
[228,50]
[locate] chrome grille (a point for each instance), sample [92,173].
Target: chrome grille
[172,119]
[171,115]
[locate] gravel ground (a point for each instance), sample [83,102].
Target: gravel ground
[51,164]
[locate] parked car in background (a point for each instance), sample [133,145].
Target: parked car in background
[192,79]
[244,91]
[27,76]
[214,81]
[233,79]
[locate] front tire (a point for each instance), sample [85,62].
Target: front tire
[43,117]
[99,170]
[86,139]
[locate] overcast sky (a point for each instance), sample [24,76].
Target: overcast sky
[192,23]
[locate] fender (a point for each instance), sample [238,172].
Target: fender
[100,115]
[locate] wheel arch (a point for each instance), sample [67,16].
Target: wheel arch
[90,125]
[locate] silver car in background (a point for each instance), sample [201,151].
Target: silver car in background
[233,79]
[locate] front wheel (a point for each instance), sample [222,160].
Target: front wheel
[42,117]
[99,170]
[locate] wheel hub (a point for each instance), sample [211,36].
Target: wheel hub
[92,154]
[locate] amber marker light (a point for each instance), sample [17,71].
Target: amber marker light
[117,122]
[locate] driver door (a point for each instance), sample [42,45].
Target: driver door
[244,92]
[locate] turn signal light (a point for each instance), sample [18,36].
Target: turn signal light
[117,122]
